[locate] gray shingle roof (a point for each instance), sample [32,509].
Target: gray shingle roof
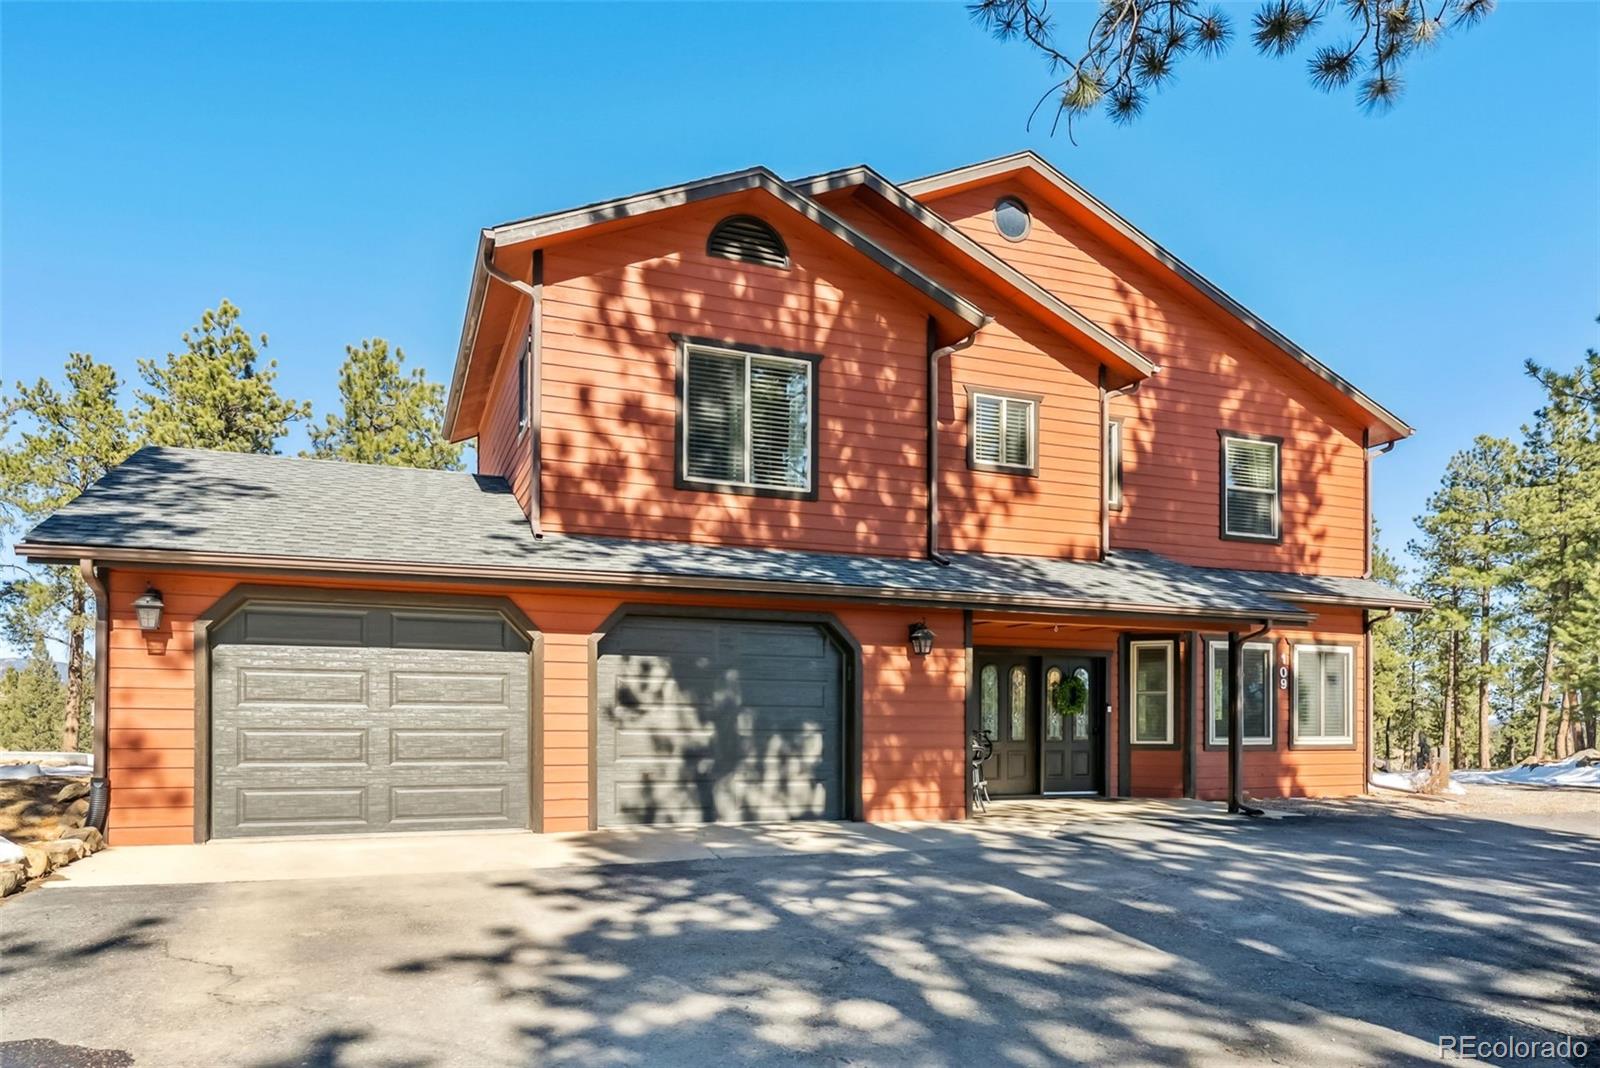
[329,515]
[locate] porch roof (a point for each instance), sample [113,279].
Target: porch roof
[195,508]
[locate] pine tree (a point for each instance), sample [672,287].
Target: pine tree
[1557,510]
[54,444]
[215,394]
[1487,476]
[32,703]
[389,416]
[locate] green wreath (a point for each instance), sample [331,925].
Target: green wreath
[1071,695]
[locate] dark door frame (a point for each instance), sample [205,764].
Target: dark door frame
[1100,678]
[245,594]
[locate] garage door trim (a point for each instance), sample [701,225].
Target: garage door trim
[830,624]
[209,622]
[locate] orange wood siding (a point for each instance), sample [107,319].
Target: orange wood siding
[1215,374]
[610,406]
[503,446]
[1284,770]
[913,710]
[1054,513]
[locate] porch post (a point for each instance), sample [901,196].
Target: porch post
[1235,719]
[1236,643]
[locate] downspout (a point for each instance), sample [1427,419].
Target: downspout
[1366,477]
[535,384]
[1236,644]
[99,786]
[934,356]
[1106,396]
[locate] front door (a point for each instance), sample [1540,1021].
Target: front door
[1069,741]
[1008,709]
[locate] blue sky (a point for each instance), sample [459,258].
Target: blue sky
[327,167]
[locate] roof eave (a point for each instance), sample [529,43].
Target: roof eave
[864,176]
[573,220]
[1383,418]
[589,579]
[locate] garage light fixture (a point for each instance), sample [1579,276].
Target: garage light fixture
[921,638]
[148,608]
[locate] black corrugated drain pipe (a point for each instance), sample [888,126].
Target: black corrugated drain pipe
[99,786]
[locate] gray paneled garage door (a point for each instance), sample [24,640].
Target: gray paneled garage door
[704,720]
[396,720]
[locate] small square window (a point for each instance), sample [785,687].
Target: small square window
[1250,488]
[1004,433]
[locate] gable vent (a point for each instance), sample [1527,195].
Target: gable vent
[747,238]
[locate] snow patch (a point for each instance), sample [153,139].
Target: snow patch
[1568,772]
[1410,782]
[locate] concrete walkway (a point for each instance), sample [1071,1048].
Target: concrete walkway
[261,860]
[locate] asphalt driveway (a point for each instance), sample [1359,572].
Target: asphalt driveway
[1146,938]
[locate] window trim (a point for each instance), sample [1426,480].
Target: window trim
[1012,198]
[781,245]
[681,477]
[1347,741]
[524,384]
[1224,437]
[1114,495]
[1169,647]
[1271,739]
[1036,403]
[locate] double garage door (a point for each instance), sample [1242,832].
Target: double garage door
[362,720]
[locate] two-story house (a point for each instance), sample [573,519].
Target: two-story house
[784,489]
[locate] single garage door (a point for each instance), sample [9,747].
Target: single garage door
[358,720]
[710,720]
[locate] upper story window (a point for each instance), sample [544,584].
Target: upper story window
[1004,435]
[1114,464]
[522,388]
[1251,468]
[748,420]
[1323,701]
[1257,693]
[749,240]
[1150,665]
[1012,218]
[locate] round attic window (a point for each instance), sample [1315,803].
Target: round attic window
[1011,218]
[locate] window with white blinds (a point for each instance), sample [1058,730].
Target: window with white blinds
[1004,431]
[747,419]
[1323,701]
[1250,507]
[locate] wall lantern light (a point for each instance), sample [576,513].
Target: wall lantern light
[148,608]
[921,638]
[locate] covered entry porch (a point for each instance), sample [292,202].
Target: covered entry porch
[1141,708]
